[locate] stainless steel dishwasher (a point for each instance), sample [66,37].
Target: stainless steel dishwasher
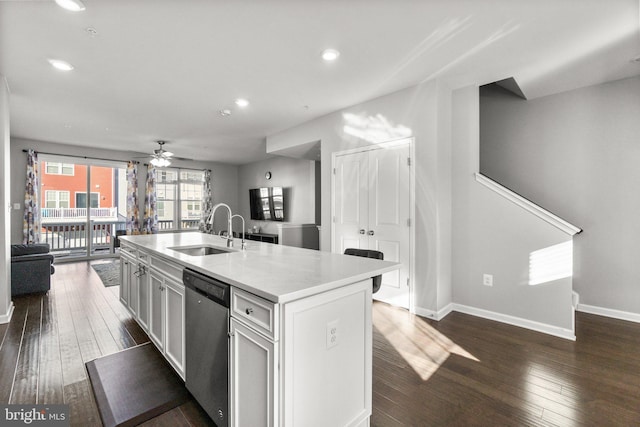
[207,343]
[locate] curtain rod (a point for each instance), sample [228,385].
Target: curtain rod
[81,157]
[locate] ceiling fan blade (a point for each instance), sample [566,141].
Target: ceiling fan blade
[167,153]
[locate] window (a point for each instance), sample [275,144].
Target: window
[81,200]
[56,199]
[54,168]
[179,196]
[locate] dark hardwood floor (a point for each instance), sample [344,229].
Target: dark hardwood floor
[461,371]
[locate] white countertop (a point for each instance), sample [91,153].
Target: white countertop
[277,273]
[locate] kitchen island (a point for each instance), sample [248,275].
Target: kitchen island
[300,324]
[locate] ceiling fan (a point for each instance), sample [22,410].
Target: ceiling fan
[161,157]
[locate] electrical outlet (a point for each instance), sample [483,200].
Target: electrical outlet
[332,333]
[487,279]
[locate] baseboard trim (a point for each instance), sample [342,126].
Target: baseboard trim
[516,321]
[609,312]
[6,318]
[435,315]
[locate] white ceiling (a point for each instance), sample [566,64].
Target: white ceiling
[162,69]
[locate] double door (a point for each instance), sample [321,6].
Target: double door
[372,210]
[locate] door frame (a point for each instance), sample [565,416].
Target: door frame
[412,201]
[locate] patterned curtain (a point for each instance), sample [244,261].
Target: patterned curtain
[133,214]
[207,203]
[150,224]
[31,223]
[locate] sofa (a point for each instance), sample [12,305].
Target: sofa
[31,268]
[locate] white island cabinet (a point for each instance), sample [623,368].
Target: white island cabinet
[300,345]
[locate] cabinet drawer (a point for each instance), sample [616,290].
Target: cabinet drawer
[128,251]
[256,312]
[167,268]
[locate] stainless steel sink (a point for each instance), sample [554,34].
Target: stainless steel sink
[199,250]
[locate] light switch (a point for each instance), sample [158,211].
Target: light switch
[16,206]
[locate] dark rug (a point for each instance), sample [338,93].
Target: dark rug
[109,272]
[134,385]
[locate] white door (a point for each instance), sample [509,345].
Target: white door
[389,213]
[372,211]
[351,187]
[174,324]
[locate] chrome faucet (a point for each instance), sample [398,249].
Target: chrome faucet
[229,231]
[230,217]
[244,244]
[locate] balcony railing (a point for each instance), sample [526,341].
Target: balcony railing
[72,236]
[49,215]
[169,224]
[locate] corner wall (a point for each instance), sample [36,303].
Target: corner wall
[577,154]
[6,306]
[494,236]
[296,176]
[409,112]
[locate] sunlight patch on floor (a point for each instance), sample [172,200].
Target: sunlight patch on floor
[423,347]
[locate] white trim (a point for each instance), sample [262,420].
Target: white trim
[6,318]
[435,315]
[516,321]
[412,202]
[527,205]
[609,312]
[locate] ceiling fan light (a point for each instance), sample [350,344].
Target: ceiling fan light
[72,5]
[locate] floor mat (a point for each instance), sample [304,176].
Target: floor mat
[134,385]
[109,272]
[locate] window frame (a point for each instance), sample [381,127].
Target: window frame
[178,200]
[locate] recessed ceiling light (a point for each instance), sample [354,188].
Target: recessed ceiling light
[72,5]
[330,55]
[60,64]
[225,112]
[241,102]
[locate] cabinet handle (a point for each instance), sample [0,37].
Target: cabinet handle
[370,233]
[249,310]
[362,231]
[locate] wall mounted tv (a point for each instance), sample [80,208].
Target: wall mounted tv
[267,203]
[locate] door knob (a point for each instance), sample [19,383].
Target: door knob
[362,231]
[370,233]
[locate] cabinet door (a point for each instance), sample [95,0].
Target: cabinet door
[156,309]
[125,266]
[143,297]
[133,287]
[253,385]
[174,324]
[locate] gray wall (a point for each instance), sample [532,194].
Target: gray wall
[5,183]
[224,178]
[296,176]
[577,154]
[494,236]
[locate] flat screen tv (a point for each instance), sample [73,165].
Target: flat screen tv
[267,203]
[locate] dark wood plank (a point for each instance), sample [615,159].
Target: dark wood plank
[25,385]
[10,349]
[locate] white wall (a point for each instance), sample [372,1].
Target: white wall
[224,178]
[5,214]
[577,154]
[494,236]
[414,110]
[296,176]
